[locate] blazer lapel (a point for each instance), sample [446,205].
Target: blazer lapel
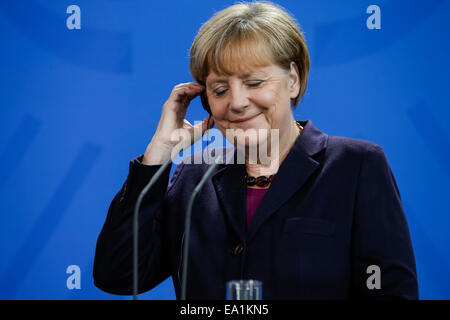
[296,168]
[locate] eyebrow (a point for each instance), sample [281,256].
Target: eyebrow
[223,80]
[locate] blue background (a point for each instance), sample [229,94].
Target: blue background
[78,105]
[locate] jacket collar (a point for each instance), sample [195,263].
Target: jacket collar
[294,171]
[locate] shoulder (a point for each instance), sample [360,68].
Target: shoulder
[343,154]
[367,156]
[350,147]
[314,142]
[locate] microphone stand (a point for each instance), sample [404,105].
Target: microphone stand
[187,227]
[136,224]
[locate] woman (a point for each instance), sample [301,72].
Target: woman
[325,222]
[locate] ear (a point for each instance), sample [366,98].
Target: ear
[294,80]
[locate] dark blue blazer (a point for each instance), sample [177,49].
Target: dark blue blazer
[333,210]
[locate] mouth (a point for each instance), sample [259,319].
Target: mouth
[246,119]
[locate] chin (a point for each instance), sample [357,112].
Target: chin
[251,141]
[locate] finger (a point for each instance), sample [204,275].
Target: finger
[186,94]
[188,84]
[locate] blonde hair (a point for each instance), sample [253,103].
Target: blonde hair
[257,33]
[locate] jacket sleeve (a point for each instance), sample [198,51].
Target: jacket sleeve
[113,262]
[381,243]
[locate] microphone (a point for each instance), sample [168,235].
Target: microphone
[187,226]
[136,224]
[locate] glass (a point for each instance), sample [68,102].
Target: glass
[244,290]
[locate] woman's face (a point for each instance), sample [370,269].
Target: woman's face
[259,98]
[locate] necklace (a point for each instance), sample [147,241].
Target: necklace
[300,128]
[263,181]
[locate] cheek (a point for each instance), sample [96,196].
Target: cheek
[218,110]
[219,114]
[266,99]
[272,105]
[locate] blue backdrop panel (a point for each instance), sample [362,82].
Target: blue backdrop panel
[78,105]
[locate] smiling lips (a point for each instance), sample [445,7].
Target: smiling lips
[246,119]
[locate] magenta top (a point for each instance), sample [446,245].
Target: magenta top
[254,197]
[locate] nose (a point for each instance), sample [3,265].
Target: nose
[238,98]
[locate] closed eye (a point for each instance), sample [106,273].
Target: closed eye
[252,84]
[219,93]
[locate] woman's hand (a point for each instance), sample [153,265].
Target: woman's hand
[173,130]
